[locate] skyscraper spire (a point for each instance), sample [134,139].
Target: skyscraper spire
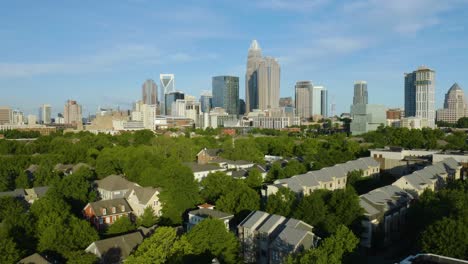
[254,45]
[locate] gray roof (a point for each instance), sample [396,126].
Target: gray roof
[32,168]
[271,223]
[204,212]
[253,219]
[108,204]
[40,191]
[14,193]
[34,259]
[144,194]
[125,244]
[63,167]
[384,199]
[114,183]
[293,238]
[213,152]
[195,167]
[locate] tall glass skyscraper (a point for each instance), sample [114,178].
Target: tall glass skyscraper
[360,93]
[45,114]
[420,94]
[167,86]
[304,90]
[170,99]
[324,102]
[226,93]
[149,91]
[206,102]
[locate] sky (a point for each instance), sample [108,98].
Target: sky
[100,52]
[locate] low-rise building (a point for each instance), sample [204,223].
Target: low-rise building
[399,161]
[105,212]
[267,238]
[113,186]
[206,156]
[115,249]
[139,198]
[367,117]
[200,171]
[330,178]
[205,211]
[35,258]
[385,211]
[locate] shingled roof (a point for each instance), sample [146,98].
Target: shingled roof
[108,204]
[120,246]
[143,194]
[115,183]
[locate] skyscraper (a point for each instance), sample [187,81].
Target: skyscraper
[72,113]
[262,80]
[149,91]
[420,94]
[167,86]
[360,93]
[324,102]
[254,59]
[455,106]
[170,99]
[317,100]
[206,102]
[268,84]
[5,115]
[303,101]
[45,114]
[226,93]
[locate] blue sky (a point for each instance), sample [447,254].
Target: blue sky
[100,52]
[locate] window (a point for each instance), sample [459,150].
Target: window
[104,211]
[122,208]
[113,219]
[101,221]
[107,220]
[113,209]
[155,203]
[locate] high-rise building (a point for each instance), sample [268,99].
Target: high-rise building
[420,94]
[286,102]
[170,99]
[206,102]
[317,100]
[167,86]
[367,117]
[324,102]
[241,107]
[262,80]
[360,93]
[5,115]
[455,106]
[303,101]
[45,114]
[149,91]
[254,59]
[268,84]
[17,117]
[226,93]
[32,120]
[72,113]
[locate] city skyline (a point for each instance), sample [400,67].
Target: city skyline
[106,65]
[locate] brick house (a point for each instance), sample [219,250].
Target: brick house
[207,155]
[105,212]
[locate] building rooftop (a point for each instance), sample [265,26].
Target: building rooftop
[205,213]
[383,199]
[35,259]
[143,194]
[108,205]
[114,183]
[195,167]
[122,245]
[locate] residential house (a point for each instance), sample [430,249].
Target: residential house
[115,249]
[29,195]
[205,155]
[207,211]
[105,212]
[200,171]
[139,198]
[244,173]
[17,193]
[385,212]
[35,259]
[233,164]
[399,161]
[330,178]
[114,186]
[433,177]
[267,238]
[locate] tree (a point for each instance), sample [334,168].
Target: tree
[23,181]
[121,225]
[462,122]
[447,237]
[294,167]
[331,250]
[275,172]
[164,246]
[254,179]
[147,219]
[215,185]
[10,253]
[312,209]
[283,202]
[240,200]
[210,239]
[81,257]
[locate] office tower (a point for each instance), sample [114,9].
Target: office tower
[254,58]
[206,102]
[167,86]
[268,84]
[5,115]
[149,91]
[32,120]
[303,101]
[17,117]
[360,93]
[285,102]
[226,93]
[72,113]
[367,117]
[60,119]
[241,107]
[420,94]
[170,99]
[324,102]
[317,100]
[454,105]
[45,114]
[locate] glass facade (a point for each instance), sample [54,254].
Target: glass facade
[171,98]
[226,93]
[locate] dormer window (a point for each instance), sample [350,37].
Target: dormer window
[113,209]
[104,211]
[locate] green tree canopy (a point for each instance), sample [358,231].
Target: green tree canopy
[447,237]
[283,202]
[148,218]
[120,226]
